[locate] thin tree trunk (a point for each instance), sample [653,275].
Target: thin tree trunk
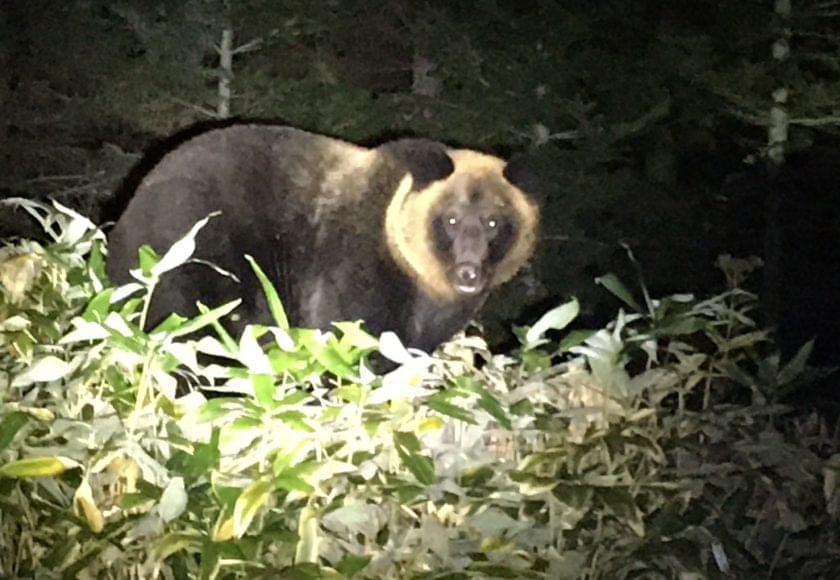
[225,74]
[777,138]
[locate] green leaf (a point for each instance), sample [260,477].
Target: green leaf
[291,362]
[216,408]
[274,303]
[97,309]
[287,456]
[170,323]
[293,483]
[131,306]
[495,571]
[747,339]
[224,336]
[37,467]
[9,427]
[205,319]
[574,338]
[408,448]
[349,393]
[126,343]
[617,288]
[407,493]
[246,423]
[476,476]
[623,506]
[264,390]
[304,571]
[203,459]
[680,325]
[210,560]
[734,372]
[323,353]
[60,553]
[451,410]
[353,336]
[351,565]
[420,466]
[173,543]
[147,257]
[296,396]
[535,360]
[96,260]
[494,408]
[253,498]
[521,408]
[407,441]
[297,420]
[796,365]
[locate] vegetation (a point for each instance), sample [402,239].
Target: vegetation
[655,447]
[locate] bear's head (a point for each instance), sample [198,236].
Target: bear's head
[460,222]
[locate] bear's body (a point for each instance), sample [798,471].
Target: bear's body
[341,230]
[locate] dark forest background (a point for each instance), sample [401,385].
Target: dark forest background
[680,129]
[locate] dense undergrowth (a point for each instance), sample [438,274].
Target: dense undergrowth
[657,447]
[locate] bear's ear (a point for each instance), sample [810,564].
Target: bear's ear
[426,160]
[521,172]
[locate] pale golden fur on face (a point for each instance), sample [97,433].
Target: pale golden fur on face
[409,213]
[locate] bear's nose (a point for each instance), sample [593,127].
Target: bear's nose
[467,278]
[467,273]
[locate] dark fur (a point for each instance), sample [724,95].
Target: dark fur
[313,223]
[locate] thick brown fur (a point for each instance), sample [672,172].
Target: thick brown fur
[343,231]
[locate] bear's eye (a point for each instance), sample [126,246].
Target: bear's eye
[492,223]
[452,220]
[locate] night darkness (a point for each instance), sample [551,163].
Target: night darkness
[682,130]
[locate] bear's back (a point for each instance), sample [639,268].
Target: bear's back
[301,204]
